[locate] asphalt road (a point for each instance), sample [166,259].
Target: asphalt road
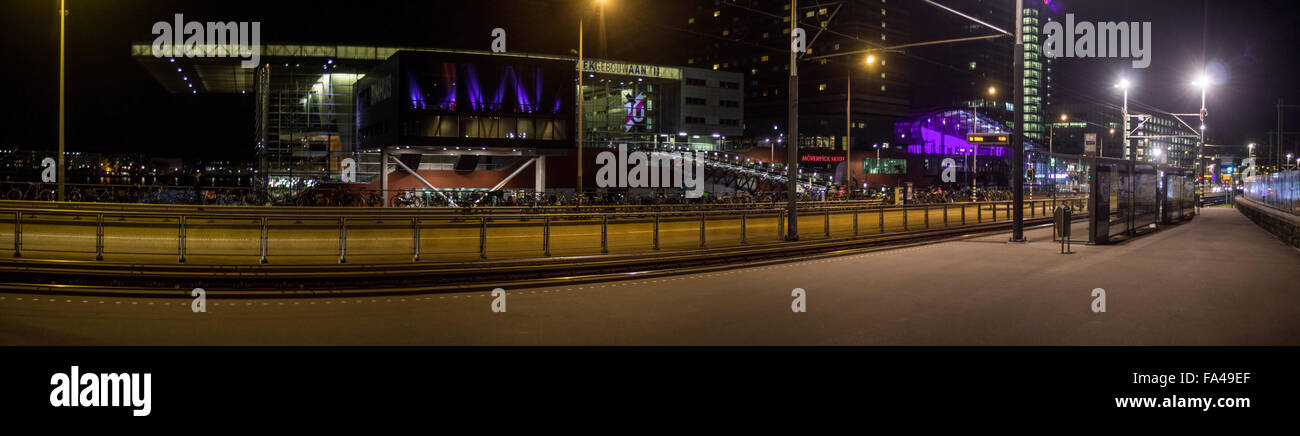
[1218,280]
[306,241]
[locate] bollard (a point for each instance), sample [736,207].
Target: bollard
[180,241]
[604,234]
[415,239]
[546,236]
[18,234]
[656,231]
[343,240]
[482,238]
[701,229]
[263,240]
[99,236]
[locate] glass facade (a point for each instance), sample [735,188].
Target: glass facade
[305,122]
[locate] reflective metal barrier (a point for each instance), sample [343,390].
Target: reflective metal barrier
[1280,190]
[276,235]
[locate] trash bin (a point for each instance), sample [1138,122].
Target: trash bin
[1061,229]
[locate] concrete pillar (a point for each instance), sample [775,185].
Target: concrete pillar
[539,178]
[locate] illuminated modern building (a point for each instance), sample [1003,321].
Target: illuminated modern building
[308,99]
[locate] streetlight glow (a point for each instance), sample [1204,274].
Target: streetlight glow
[1123,84]
[992,90]
[871,59]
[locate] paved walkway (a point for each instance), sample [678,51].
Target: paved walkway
[1218,280]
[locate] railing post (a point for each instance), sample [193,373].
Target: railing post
[743,231]
[963,214]
[656,231]
[904,218]
[604,234]
[482,238]
[343,240]
[415,239]
[18,234]
[180,241]
[926,211]
[546,236]
[945,215]
[99,236]
[979,213]
[702,229]
[263,244]
[826,223]
[855,222]
[780,225]
[882,218]
[995,212]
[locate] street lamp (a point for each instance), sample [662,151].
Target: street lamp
[848,119]
[1132,153]
[578,190]
[975,148]
[1051,156]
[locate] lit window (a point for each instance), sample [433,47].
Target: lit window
[715,66]
[726,32]
[716,13]
[690,21]
[764,58]
[882,88]
[821,87]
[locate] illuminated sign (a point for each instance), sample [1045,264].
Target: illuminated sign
[816,157]
[987,138]
[635,111]
[629,69]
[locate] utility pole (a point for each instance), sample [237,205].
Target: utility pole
[848,127]
[1018,133]
[792,138]
[577,190]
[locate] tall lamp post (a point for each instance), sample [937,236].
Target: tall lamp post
[1051,156]
[848,128]
[1132,154]
[792,138]
[975,148]
[1204,82]
[59,171]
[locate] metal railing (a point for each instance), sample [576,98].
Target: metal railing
[260,235]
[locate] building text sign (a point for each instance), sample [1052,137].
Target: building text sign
[629,69]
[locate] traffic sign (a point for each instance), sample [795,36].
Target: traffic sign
[1089,143]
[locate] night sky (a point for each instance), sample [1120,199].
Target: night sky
[115,106]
